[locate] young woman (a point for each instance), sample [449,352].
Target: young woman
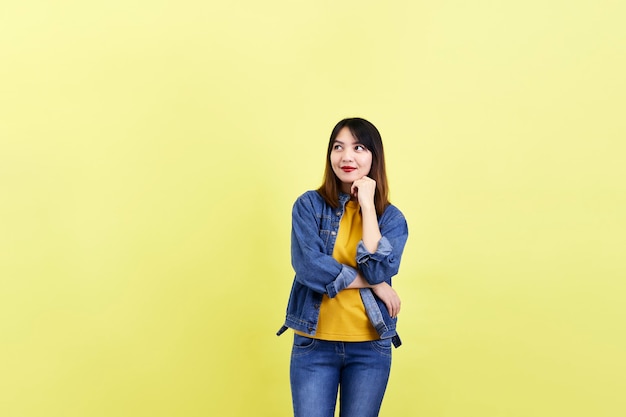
[346,244]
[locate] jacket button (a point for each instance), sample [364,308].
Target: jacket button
[338,214]
[333,233]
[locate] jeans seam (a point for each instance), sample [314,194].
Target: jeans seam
[383,350]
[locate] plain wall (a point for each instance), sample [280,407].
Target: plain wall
[150,153]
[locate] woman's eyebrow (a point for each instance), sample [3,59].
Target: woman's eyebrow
[355,142]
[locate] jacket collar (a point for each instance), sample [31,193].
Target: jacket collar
[343,198]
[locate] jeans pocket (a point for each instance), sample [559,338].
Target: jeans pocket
[382,346]
[302,345]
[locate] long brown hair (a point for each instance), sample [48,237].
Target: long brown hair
[368,136]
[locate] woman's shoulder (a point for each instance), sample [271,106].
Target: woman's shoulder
[392,212]
[310,197]
[311,194]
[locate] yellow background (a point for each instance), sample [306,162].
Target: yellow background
[150,152]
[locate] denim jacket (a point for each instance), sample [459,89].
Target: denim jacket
[314,230]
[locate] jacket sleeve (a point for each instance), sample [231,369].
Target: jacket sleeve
[314,268]
[383,264]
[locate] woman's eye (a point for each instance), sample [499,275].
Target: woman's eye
[337,147]
[359,147]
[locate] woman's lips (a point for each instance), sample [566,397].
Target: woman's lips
[347,169]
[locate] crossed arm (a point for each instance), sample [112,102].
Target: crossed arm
[378,255]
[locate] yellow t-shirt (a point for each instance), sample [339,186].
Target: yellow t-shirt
[343,318]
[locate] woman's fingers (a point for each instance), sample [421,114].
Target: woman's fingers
[390,297]
[395,307]
[364,187]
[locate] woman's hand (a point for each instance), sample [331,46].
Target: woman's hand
[364,189]
[389,296]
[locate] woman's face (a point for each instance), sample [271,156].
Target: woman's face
[349,159]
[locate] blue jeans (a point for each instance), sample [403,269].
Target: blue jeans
[360,370]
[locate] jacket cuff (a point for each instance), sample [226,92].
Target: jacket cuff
[382,252]
[345,278]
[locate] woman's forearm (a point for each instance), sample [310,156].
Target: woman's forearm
[371,231]
[359,282]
